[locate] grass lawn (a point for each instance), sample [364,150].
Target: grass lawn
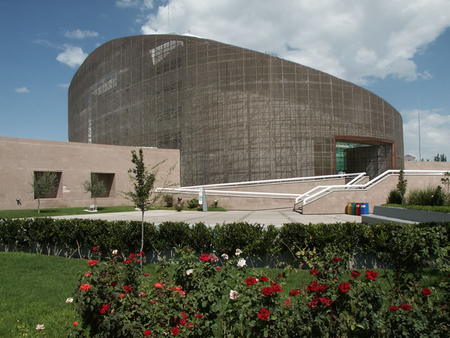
[24,213]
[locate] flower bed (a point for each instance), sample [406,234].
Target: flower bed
[212,295]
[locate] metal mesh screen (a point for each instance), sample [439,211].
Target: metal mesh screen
[235,114]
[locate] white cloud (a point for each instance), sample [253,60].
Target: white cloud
[72,56]
[142,4]
[22,90]
[434,135]
[64,85]
[127,3]
[351,39]
[79,34]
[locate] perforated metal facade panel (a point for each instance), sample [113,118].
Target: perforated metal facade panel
[235,114]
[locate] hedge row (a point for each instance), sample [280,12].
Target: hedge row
[393,244]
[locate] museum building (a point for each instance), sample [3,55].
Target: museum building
[235,114]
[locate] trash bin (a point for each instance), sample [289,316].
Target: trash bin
[348,208]
[358,209]
[353,209]
[364,208]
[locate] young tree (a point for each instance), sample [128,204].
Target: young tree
[44,184]
[401,185]
[143,183]
[95,186]
[446,180]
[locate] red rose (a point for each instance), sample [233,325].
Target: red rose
[393,308]
[175,331]
[315,287]
[267,291]
[105,308]
[128,261]
[426,292]
[314,302]
[372,275]
[204,258]
[263,314]
[159,285]
[406,307]
[75,323]
[293,293]
[344,287]
[314,272]
[198,315]
[189,326]
[325,300]
[277,288]
[218,268]
[85,287]
[250,281]
[336,259]
[127,288]
[147,333]
[287,303]
[355,274]
[95,248]
[263,279]
[93,262]
[145,274]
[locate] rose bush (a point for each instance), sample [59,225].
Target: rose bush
[207,296]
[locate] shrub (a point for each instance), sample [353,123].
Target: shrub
[438,198]
[394,197]
[168,199]
[211,296]
[193,203]
[420,196]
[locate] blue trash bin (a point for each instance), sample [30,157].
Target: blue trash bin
[364,208]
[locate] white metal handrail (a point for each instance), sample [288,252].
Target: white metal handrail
[281,180]
[308,196]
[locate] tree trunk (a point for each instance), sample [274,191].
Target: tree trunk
[39,204]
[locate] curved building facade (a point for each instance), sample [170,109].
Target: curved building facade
[235,114]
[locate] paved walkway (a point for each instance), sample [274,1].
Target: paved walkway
[275,217]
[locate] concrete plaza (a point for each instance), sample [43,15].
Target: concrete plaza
[276,217]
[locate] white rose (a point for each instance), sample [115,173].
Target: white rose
[189,272]
[234,295]
[241,263]
[238,252]
[69,300]
[225,256]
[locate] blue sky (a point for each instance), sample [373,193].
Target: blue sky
[397,49]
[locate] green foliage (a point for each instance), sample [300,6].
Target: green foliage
[444,209]
[168,199]
[394,197]
[95,186]
[143,184]
[401,185]
[420,196]
[143,181]
[193,203]
[211,296]
[44,184]
[446,180]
